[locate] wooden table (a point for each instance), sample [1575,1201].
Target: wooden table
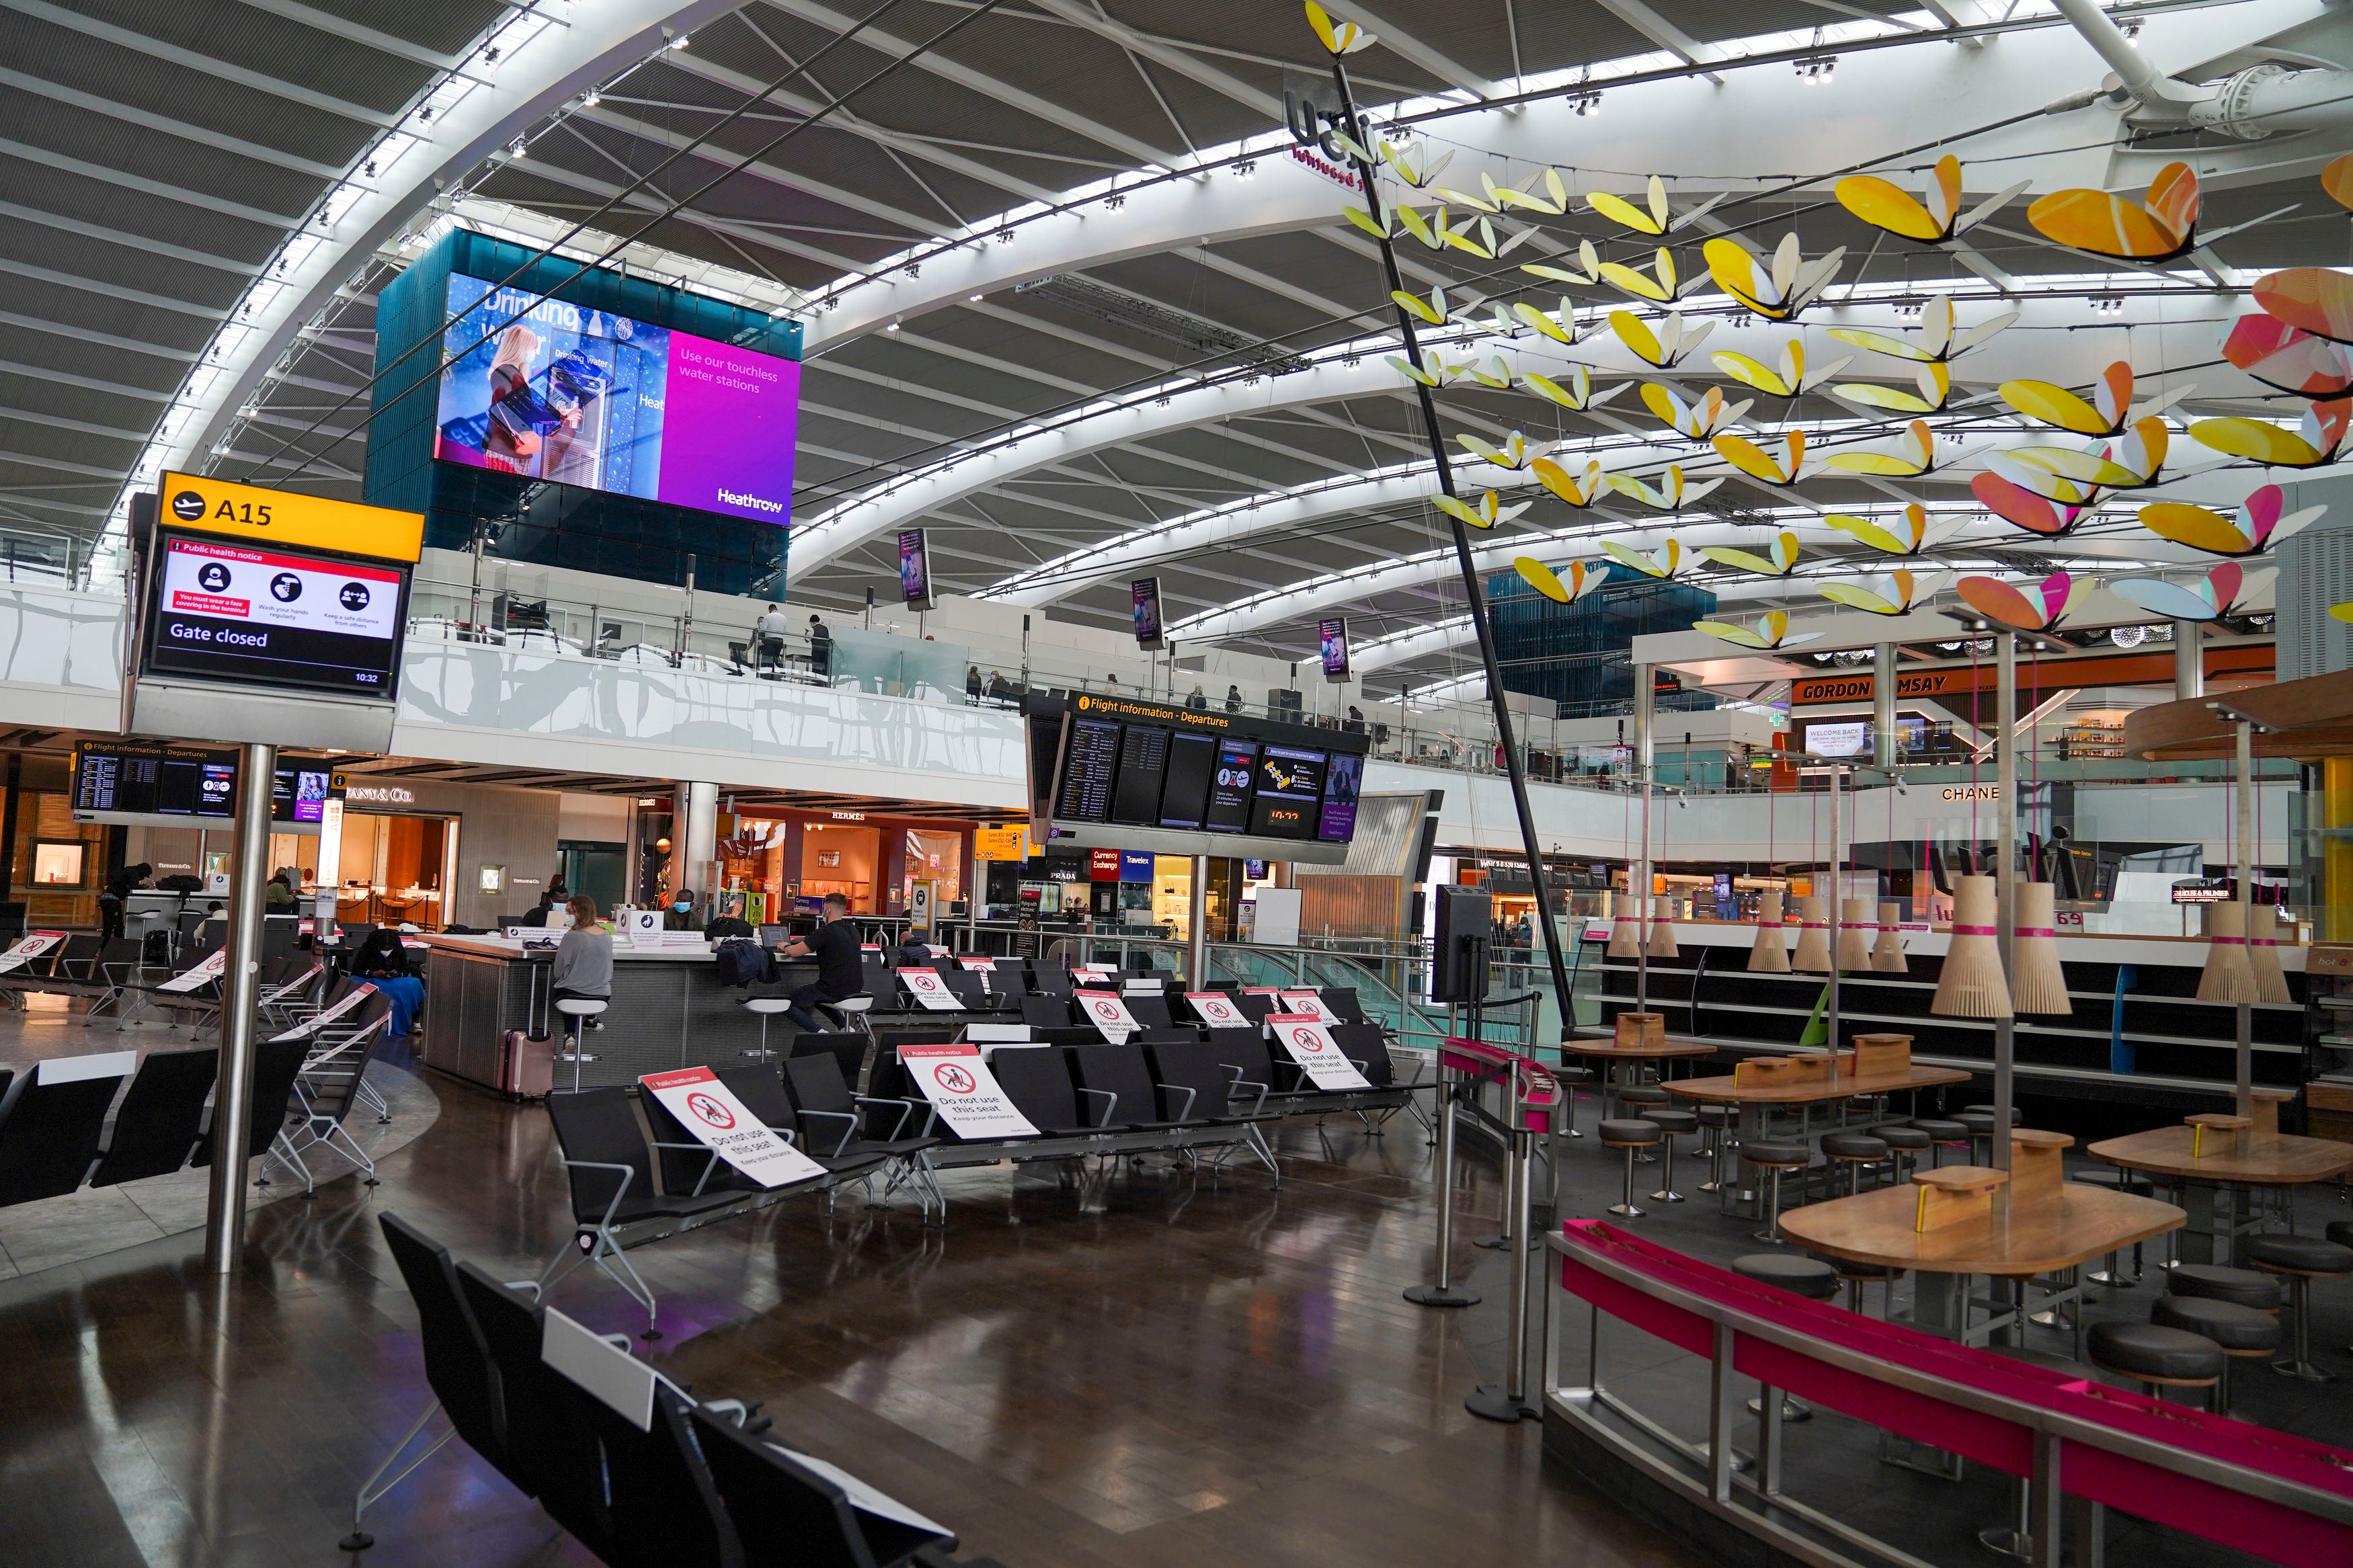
[2063,1230]
[2215,1185]
[1614,1057]
[1759,1101]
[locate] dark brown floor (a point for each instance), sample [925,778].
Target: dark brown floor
[1206,1371]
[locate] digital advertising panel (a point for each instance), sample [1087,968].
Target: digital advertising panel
[1332,641]
[233,612]
[552,391]
[914,569]
[1144,593]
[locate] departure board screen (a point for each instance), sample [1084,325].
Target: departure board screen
[1143,770]
[1290,792]
[128,778]
[1230,787]
[1090,766]
[1192,758]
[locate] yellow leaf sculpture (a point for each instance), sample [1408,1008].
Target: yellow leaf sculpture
[1340,37]
[1762,466]
[1658,286]
[1580,580]
[1664,563]
[2337,179]
[1789,379]
[1915,536]
[1666,347]
[1910,455]
[1772,631]
[2314,299]
[1695,421]
[1673,492]
[1578,394]
[2157,228]
[2109,410]
[2262,528]
[1484,513]
[1932,218]
[1894,595]
[2313,443]
[1777,290]
[1779,563]
[1935,341]
[1577,490]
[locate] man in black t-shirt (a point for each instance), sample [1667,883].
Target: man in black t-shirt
[834,945]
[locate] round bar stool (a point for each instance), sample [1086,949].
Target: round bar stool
[579,1009]
[2018,1538]
[2213,1282]
[767,1007]
[1905,1144]
[1775,1155]
[2136,1185]
[2155,1356]
[1670,1123]
[1978,1121]
[1631,1136]
[1719,1121]
[2240,1333]
[857,1007]
[1636,1100]
[2301,1259]
[1809,1277]
[1855,1276]
[1855,1150]
[1942,1135]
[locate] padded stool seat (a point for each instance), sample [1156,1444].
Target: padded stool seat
[2240,1330]
[1909,1139]
[1672,1121]
[2298,1255]
[1987,1111]
[1976,1124]
[1643,1094]
[583,1006]
[1630,1134]
[1943,1131]
[1854,1146]
[1808,1276]
[1785,1151]
[1718,1115]
[2213,1282]
[2340,1231]
[766,1005]
[2153,1354]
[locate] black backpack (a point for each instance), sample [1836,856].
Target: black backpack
[742,962]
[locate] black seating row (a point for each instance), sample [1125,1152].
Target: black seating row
[670,1483]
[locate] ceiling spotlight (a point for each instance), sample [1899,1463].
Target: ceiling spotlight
[2106,304]
[592,99]
[1910,310]
[2132,32]
[1587,104]
[976,299]
[891,327]
[679,42]
[517,150]
[1246,169]
[1815,70]
[1113,202]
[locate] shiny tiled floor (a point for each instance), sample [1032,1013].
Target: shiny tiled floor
[1205,1371]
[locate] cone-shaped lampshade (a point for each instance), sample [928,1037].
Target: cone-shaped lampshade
[1887,953]
[1855,935]
[1971,985]
[2263,955]
[1771,953]
[2228,977]
[1663,932]
[1813,954]
[2037,983]
[1626,928]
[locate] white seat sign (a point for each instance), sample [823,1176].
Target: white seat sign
[29,947]
[1108,1014]
[1311,1047]
[1216,1009]
[927,988]
[196,974]
[709,1108]
[957,1081]
[1308,1002]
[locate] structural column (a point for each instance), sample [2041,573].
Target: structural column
[694,836]
[1638,876]
[1196,927]
[233,1097]
[2005,791]
[2188,662]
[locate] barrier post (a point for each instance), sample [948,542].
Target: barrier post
[1444,1293]
[1508,1401]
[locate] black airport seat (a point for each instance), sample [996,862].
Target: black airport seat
[1122,1072]
[554,1455]
[275,1064]
[1150,1012]
[1039,1084]
[1192,1079]
[839,1129]
[1046,1012]
[847,1049]
[51,1122]
[162,1117]
[1342,1000]
[787,1514]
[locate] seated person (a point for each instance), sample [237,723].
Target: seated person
[537,914]
[834,944]
[914,952]
[279,893]
[680,915]
[382,961]
[584,959]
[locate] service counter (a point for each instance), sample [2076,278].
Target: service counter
[669,1008]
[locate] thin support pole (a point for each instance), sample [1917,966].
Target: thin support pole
[1474,598]
[233,1097]
[2005,795]
[1645,755]
[1508,1401]
[1196,927]
[2243,870]
[1444,1294]
[1836,907]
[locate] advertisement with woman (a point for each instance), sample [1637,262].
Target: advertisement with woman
[550,390]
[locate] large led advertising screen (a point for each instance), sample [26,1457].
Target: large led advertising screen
[588,398]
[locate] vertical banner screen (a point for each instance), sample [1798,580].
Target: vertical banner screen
[1145,593]
[1332,638]
[914,569]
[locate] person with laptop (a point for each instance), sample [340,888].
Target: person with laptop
[834,944]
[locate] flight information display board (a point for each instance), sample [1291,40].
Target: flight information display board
[1289,798]
[1125,773]
[124,779]
[250,615]
[1143,776]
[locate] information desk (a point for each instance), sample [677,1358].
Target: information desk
[668,1010]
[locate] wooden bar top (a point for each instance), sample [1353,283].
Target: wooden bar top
[2078,1222]
[1646,1051]
[1724,1088]
[2280,1162]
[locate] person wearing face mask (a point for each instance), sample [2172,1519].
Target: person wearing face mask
[681,914]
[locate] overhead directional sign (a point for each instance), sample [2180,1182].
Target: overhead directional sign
[282,516]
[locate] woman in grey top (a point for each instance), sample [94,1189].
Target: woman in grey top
[584,959]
